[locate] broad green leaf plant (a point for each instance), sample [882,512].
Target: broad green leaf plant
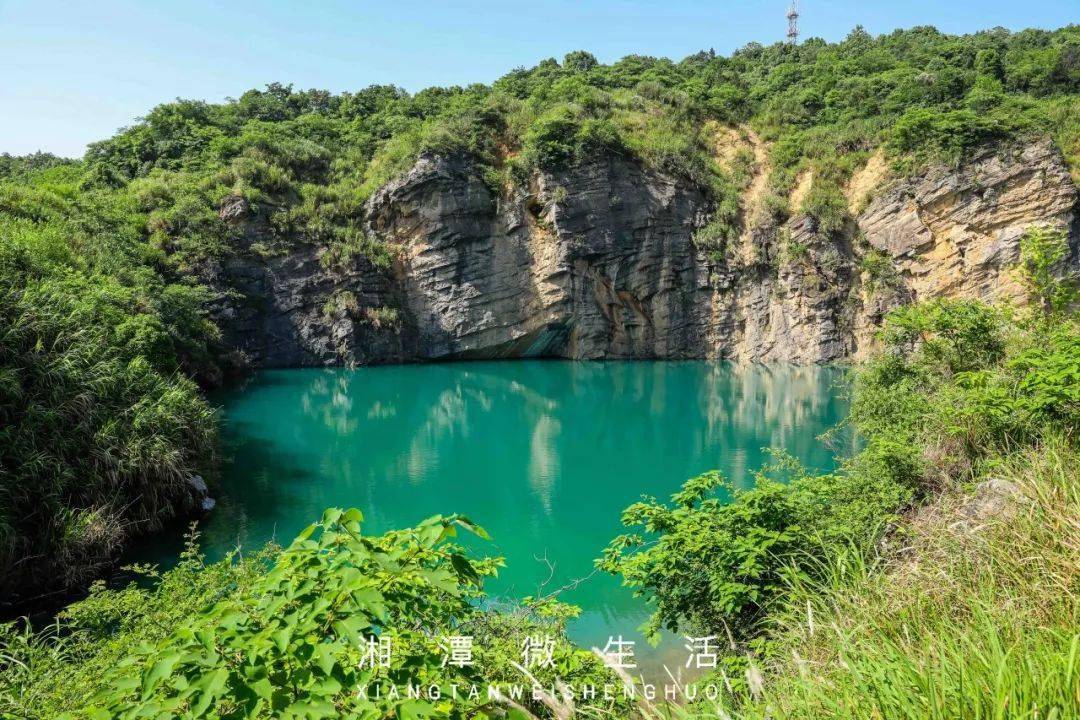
[294,646]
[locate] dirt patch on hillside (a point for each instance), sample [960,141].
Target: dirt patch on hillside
[865,181]
[803,184]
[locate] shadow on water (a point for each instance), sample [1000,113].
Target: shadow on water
[544,454]
[273,480]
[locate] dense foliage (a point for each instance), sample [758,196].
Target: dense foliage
[100,423]
[975,613]
[297,633]
[311,159]
[962,392]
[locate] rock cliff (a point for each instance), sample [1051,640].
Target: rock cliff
[599,261]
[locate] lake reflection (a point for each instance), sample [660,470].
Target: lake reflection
[543,454]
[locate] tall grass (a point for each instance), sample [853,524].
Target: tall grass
[45,672]
[970,617]
[99,427]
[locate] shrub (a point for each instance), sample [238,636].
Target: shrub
[99,431]
[951,134]
[879,271]
[795,251]
[551,140]
[287,634]
[965,623]
[948,336]
[957,385]
[714,562]
[381,317]
[825,203]
[340,302]
[1052,287]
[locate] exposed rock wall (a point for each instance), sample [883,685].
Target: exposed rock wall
[956,233]
[598,261]
[295,310]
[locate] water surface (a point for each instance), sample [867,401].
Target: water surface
[544,454]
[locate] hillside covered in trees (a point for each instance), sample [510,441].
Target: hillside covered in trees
[109,340]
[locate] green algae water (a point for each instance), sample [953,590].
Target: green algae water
[544,454]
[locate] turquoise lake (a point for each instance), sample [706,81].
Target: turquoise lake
[543,454]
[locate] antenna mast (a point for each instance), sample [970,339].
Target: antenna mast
[793,23]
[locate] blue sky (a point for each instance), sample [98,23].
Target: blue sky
[74,72]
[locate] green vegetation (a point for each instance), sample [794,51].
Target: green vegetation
[105,340]
[1043,252]
[977,617]
[856,604]
[879,272]
[100,423]
[286,634]
[307,161]
[382,316]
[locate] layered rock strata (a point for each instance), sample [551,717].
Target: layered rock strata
[599,262]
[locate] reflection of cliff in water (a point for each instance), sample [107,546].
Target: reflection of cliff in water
[693,415]
[544,454]
[780,405]
[776,404]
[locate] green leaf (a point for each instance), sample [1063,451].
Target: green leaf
[464,568]
[211,687]
[160,669]
[415,710]
[281,639]
[472,527]
[262,687]
[311,709]
[326,656]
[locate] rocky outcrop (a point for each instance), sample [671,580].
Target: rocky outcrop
[296,309]
[598,261]
[956,232]
[798,307]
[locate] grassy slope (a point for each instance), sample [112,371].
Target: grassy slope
[968,616]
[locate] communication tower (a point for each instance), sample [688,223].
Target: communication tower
[793,23]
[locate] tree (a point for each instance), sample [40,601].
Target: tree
[580,61]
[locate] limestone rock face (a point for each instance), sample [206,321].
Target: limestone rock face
[291,310]
[598,261]
[956,232]
[803,315]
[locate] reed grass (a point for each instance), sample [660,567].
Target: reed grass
[967,618]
